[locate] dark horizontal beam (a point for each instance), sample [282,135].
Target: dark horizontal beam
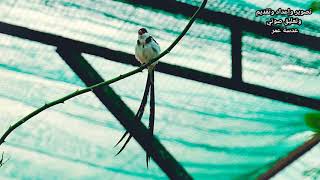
[55,40]
[239,86]
[228,20]
[174,70]
[123,113]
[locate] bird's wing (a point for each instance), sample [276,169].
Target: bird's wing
[154,40]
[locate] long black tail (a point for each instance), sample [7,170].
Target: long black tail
[152,111]
[139,114]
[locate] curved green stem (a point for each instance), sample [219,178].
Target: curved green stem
[85,90]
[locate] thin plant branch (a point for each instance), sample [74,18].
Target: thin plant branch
[108,82]
[291,157]
[2,162]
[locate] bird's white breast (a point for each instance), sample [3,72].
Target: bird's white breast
[144,53]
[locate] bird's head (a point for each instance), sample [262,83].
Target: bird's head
[143,34]
[142,31]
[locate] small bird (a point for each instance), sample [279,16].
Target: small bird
[146,49]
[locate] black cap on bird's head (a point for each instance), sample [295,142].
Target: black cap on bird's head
[142,31]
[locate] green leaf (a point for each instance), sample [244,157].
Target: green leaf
[312,120]
[315,6]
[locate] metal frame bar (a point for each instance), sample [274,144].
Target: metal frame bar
[236,46]
[179,71]
[122,113]
[229,20]
[137,129]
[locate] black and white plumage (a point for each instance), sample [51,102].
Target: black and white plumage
[145,50]
[146,47]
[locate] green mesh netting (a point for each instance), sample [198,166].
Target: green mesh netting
[215,133]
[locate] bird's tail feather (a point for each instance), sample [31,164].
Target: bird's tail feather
[152,110]
[138,115]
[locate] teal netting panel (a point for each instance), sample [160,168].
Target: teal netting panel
[247,9]
[114,25]
[281,66]
[69,141]
[213,132]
